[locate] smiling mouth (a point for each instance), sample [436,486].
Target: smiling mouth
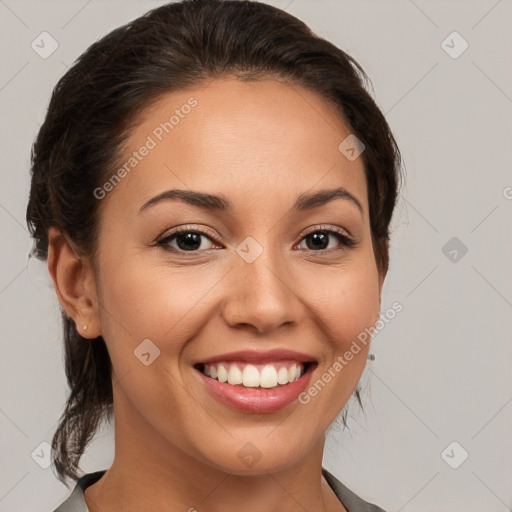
[248,375]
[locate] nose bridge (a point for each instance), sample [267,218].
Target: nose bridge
[262,291]
[262,266]
[265,272]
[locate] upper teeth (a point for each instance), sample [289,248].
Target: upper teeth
[250,376]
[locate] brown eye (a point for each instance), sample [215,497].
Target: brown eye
[321,239]
[187,240]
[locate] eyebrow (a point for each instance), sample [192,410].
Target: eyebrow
[306,201]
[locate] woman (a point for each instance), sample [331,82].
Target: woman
[212,187]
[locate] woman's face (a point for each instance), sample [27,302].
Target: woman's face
[249,277]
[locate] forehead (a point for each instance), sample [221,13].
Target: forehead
[257,140]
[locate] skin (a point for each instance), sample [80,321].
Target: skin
[261,145]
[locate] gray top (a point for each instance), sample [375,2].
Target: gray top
[351,501]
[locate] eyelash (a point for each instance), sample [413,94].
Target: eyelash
[346,241]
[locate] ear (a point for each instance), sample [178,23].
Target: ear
[73,280]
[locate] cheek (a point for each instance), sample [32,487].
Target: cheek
[143,301]
[349,301]
[343,303]
[151,302]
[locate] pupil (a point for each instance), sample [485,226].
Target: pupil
[192,241]
[320,240]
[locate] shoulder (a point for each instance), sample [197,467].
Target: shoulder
[76,501]
[351,501]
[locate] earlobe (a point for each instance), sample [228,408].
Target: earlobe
[73,280]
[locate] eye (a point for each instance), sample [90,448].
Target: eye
[187,240]
[321,237]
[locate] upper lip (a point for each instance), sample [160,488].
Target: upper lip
[255,356]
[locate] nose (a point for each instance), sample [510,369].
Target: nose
[263,295]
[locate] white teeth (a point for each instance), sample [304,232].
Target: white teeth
[234,375]
[292,373]
[250,377]
[282,376]
[222,373]
[268,377]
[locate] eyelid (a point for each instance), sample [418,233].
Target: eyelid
[204,230]
[325,227]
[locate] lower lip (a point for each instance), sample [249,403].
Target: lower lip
[257,400]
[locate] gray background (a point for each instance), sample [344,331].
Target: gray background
[442,369]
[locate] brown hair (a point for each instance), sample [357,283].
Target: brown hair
[96,104]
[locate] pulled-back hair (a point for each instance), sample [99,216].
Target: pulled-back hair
[98,102]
